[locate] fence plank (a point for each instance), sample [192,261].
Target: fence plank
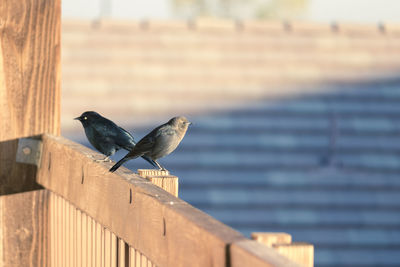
[59,231]
[299,252]
[114,250]
[121,253]
[107,248]
[69,238]
[99,242]
[172,233]
[30,68]
[90,242]
[251,253]
[269,239]
[162,230]
[52,247]
[85,250]
[64,230]
[132,257]
[24,233]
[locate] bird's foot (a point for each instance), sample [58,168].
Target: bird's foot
[106,159]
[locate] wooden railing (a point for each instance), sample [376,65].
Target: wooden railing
[58,207]
[129,220]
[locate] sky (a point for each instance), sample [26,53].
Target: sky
[363,11]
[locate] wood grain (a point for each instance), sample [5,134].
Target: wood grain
[254,254]
[167,230]
[299,252]
[29,83]
[269,239]
[24,229]
[161,179]
[29,68]
[161,230]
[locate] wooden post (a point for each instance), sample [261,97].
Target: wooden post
[299,252]
[29,106]
[24,224]
[270,239]
[161,179]
[29,82]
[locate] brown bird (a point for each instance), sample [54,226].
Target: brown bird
[158,143]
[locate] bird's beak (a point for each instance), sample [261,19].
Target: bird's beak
[77,118]
[190,123]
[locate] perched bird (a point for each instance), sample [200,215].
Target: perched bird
[159,142]
[106,136]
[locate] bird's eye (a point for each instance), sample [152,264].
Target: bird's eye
[85,118]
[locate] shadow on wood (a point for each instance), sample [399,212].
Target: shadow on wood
[15,177]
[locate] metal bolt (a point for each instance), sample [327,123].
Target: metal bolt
[27,150]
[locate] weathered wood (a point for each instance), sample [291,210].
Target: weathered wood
[24,229]
[53,232]
[114,254]
[122,257]
[151,172]
[301,253]
[29,68]
[166,229]
[90,242]
[132,257]
[270,239]
[161,179]
[85,252]
[254,254]
[29,83]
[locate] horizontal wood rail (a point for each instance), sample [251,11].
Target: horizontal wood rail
[163,229]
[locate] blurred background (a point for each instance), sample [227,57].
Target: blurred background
[295,105]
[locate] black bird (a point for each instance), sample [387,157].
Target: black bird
[158,143]
[106,136]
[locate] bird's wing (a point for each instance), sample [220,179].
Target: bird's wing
[146,144]
[125,139]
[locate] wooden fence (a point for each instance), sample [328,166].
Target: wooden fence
[58,207]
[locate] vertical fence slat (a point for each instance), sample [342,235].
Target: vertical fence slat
[79,237]
[61,233]
[121,253]
[94,243]
[138,259]
[53,236]
[90,242]
[84,240]
[64,237]
[114,250]
[68,234]
[143,261]
[103,247]
[98,245]
[51,245]
[107,247]
[59,230]
[132,257]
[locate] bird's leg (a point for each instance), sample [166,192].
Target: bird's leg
[107,159]
[159,166]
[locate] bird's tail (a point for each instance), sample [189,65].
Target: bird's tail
[149,160]
[118,164]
